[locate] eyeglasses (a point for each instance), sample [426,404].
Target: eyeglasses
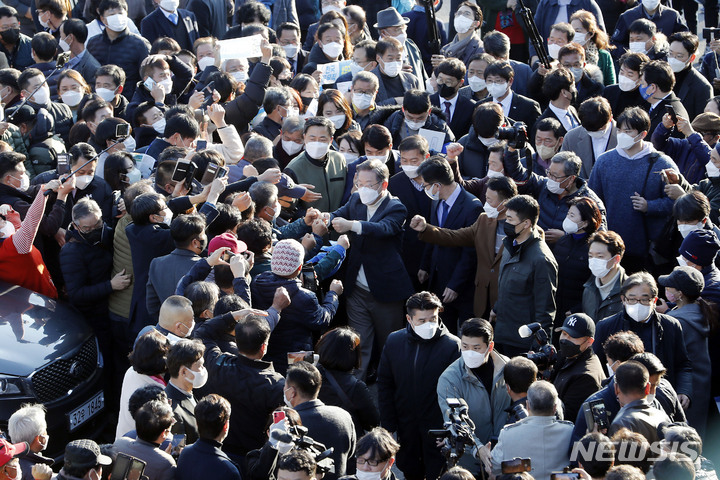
[366,461]
[87,230]
[550,175]
[357,185]
[643,301]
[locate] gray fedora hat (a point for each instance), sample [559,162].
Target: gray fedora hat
[389,18]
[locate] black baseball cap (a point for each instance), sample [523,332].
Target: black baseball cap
[578,325]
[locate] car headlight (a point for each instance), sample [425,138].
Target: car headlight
[11,386]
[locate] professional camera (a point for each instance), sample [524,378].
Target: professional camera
[544,354]
[457,432]
[298,437]
[516,135]
[711,34]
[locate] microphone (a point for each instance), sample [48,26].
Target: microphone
[281,436]
[527,330]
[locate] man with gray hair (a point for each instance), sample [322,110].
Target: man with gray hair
[376,279]
[291,141]
[540,436]
[497,44]
[364,91]
[553,192]
[28,425]
[256,147]
[277,105]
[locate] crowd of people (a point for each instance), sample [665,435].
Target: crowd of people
[302,251]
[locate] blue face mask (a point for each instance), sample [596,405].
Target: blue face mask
[643,92]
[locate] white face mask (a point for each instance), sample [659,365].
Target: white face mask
[290,147]
[83,181]
[330,8]
[42,96]
[205,62]
[199,378]
[610,368]
[355,68]
[414,125]
[134,175]
[685,229]
[168,218]
[599,133]
[24,182]
[626,84]
[625,141]
[545,152]
[554,50]
[429,88]
[580,38]
[712,170]
[286,400]
[71,98]
[166,85]
[681,261]
[462,24]
[7,230]
[637,47]
[676,65]
[638,312]
[577,73]
[432,196]
[392,69]
[369,475]
[291,50]
[106,94]
[117,23]
[650,397]
[332,49]
[488,142]
[362,100]
[159,126]
[410,170]
[650,4]
[317,149]
[64,45]
[379,158]
[569,226]
[368,195]
[337,120]
[170,5]
[240,76]
[472,358]
[402,38]
[497,90]
[476,83]
[490,211]
[130,144]
[598,267]
[494,174]
[554,186]
[350,157]
[427,330]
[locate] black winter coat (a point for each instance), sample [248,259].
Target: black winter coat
[127,52]
[407,379]
[396,125]
[571,254]
[576,379]
[362,408]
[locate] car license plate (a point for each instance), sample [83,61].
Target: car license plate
[86,411]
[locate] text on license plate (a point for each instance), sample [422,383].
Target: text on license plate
[86,411]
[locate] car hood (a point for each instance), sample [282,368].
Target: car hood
[35,330]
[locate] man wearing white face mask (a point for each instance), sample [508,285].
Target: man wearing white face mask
[692,88]
[376,279]
[32,80]
[417,113]
[84,461]
[320,166]
[288,36]
[187,371]
[375,453]
[477,377]
[393,81]
[391,25]
[601,295]
[625,173]
[164,77]
[118,45]
[167,20]
[364,89]
[597,135]
[487,118]
[277,105]
[28,424]
[661,334]
[73,33]
[408,403]
[499,77]
[667,20]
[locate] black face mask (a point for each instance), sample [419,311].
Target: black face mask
[11,36]
[568,349]
[510,231]
[285,81]
[307,100]
[94,237]
[446,91]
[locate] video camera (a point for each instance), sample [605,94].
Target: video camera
[457,432]
[544,354]
[710,34]
[515,135]
[297,435]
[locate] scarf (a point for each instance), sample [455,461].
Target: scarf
[591,52]
[457,46]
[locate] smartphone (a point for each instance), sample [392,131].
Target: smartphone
[564,476]
[208,92]
[200,145]
[178,443]
[63,163]
[222,172]
[127,467]
[227,255]
[210,174]
[670,110]
[294,357]
[181,171]
[278,417]
[149,83]
[596,415]
[190,176]
[122,130]
[516,465]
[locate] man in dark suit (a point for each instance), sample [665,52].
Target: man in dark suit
[376,280]
[73,34]
[288,37]
[497,44]
[559,87]
[404,185]
[212,15]
[449,271]
[327,424]
[597,135]
[393,82]
[667,19]
[205,455]
[177,23]
[691,87]
[458,110]
[499,78]
[656,86]
[572,57]
[186,368]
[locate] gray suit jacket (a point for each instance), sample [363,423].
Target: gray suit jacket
[165,273]
[409,81]
[160,465]
[578,141]
[87,67]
